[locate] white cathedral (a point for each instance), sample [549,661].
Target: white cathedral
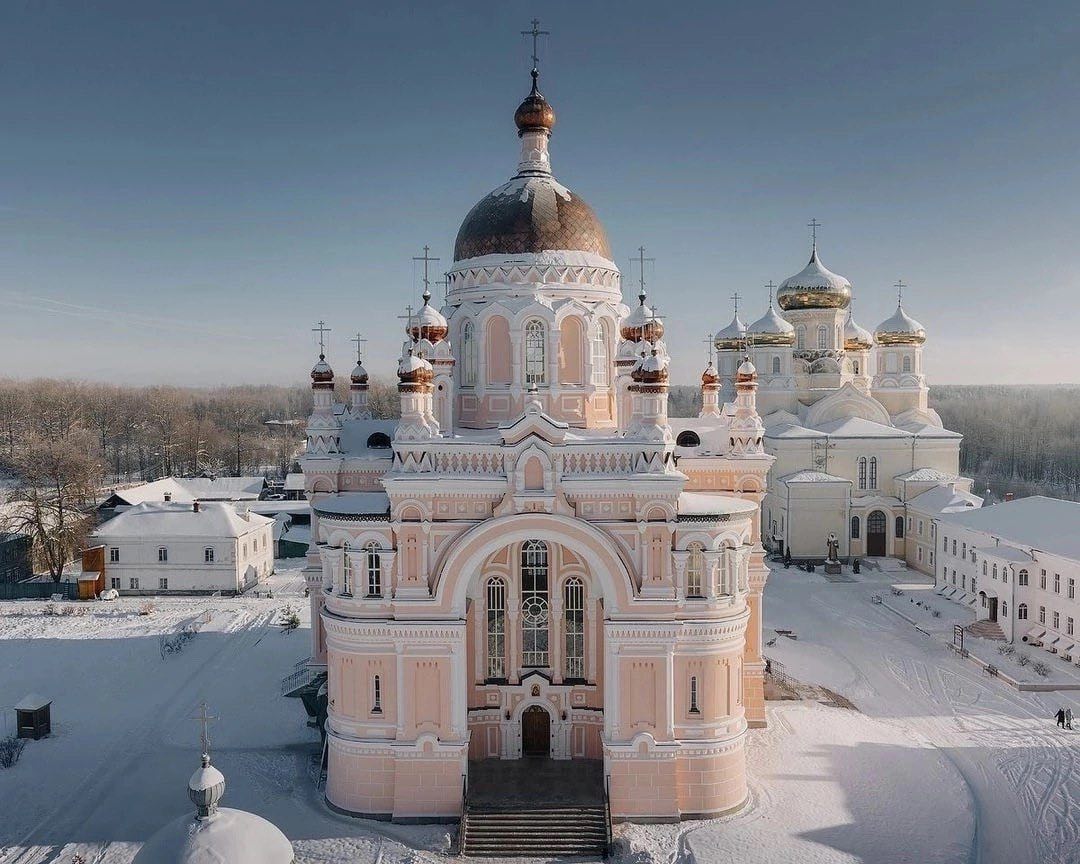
[847,419]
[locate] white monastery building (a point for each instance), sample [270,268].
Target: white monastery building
[185,548]
[518,567]
[846,419]
[1016,563]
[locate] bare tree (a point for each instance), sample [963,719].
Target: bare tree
[58,482]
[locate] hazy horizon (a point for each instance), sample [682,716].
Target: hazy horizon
[187,189]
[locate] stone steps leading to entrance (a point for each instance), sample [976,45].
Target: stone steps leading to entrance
[535,832]
[987,630]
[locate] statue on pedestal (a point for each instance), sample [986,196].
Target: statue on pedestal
[832,563]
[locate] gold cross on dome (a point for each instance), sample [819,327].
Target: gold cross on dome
[322,330]
[205,718]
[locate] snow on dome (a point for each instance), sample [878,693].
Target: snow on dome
[709,376]
[206,777]
[428,324]
[856,338]
[414,369]
[321,373]
[772,329]
[651,369]
[641,324]
[732,336]
[814,287]
[359,374]
[900,329]
[746,370]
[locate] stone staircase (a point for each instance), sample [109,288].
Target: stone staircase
[986,630]
[534,832]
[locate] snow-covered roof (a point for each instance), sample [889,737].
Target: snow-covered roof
[945,499]
[809,476]
[815,276]
[1006,553]
[294,481]
[229,835]
[857,427]
[771,323]
[927,475]
[355,504]
[152,520]
[356,432]
[194,488]
[900,324]
[1046,524]
[792,430]
[273,508]
[706,504]
[929,430]
[31,702]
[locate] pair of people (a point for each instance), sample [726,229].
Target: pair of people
[1064,718]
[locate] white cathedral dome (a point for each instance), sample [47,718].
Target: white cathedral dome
[215,835]
[856,338]
[732,336]
[900,329]
[771,329]
[814,287]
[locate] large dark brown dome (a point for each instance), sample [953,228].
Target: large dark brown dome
[531,213]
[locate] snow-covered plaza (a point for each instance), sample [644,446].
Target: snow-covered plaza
[939,763]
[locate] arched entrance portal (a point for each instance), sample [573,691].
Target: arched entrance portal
[875,534]
[535,732]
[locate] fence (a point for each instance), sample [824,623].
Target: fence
[38,590]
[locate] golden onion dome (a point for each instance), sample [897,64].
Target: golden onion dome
[900,329]
[641,324]
[732,337]
[746,372]
[321,373]
[414,369]
[856,338]
[534,112]
[650,369]
[771,329]
[709,376]
[814,287]
[428,323]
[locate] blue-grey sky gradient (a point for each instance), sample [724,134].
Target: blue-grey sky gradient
[185,188]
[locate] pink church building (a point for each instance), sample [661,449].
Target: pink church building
[534,561]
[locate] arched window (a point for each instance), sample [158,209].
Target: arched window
[873,472]
[378,441]
[535,353]
[855,367]
[496,629]
[695,570]
[374,569]
[855,527]
[468,355]
[688,438]
[775,365]
[694,709]
[574,614]
[534,603]
[822,337]
[600,364]
[899,527]
[995,571]
[376,695]
[346,570]
[907,364]
[1021,612]
[1023,577]
[800,337]
[862,472]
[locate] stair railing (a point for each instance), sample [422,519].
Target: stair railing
[607,815]
[463,822]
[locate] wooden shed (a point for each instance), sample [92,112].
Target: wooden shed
[33,716]
[92,578]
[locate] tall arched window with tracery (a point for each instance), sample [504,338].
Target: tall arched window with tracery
[535,605]
[873,472]
[822,337]
[906,367]
[862,472]
[574,615]
[346,570]
[775,365]
[535,353]
[695,570]
[468,355]
[600,363]
[800,337]
[496,628]
[374,569]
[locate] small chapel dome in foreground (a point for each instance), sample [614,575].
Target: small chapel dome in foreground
[215,834]
[651,369]
[900,329]
[709,376]
[359,374]
[814,287]
[321,373]
[414,369]
[771,329]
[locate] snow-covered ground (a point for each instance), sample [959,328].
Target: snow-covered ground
[939,764]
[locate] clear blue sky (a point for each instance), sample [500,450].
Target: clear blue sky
[186,187]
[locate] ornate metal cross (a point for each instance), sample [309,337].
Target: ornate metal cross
[359,340]
[813,225]
[536,33]
[427,259]
[205,718]
[322,330]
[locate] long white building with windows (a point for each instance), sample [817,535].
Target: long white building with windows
[1017,564]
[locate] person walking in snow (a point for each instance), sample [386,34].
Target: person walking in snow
[1068,718]
[1060,716]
